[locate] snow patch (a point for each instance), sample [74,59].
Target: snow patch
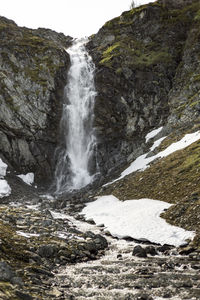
[139,219]
[187,140]
[142,162]
[27,178]
[153,133]
[27,235]
[5,189]
[57,215]
[157,143]
[3,168]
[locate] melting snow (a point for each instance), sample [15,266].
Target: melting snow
[142,162]
[153,133]
[138,219]
[3,168]
[26,234]
[5,189]
[57,215]
[157,143]
[27,178]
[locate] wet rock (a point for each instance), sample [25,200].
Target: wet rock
[143,297]
[139,251]
[165,248]
[100,241]
[151,250]
[6,272]
[186,250]
[48,251]
[23,296]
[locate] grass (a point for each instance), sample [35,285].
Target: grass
[173,179]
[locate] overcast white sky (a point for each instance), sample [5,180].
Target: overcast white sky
[77,18]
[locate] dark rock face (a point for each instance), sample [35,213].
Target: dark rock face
[33,73]
[140,59]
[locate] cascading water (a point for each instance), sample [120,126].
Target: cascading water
[75,157]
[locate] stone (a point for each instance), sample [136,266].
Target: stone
[23,296]
[6,272]
[151,250]
[139,251]
[165,248]
[186,250]
[48,251]
[17,280]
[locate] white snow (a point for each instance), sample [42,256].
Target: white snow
[3,168]
[157,143]
[27,178]
[56,215]
[26,234]
[153,133]
[187,140]
[5,189]
[138,219]
[142,162]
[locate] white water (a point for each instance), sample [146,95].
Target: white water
[76,155]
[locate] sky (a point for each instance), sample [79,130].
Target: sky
[77,18]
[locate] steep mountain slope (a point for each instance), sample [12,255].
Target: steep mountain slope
[147,75]
[33,73]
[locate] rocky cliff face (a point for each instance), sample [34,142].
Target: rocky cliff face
[33,73]
[146,76]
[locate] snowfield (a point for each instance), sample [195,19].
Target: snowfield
[139,219]
[5,189]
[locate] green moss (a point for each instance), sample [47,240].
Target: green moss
[135,53]
[7,291]
[193,104]
[181,16]
[196,77]
[197,16]
[118,71]
[109,53]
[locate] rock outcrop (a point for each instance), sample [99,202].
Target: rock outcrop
[146,76]
[33,73]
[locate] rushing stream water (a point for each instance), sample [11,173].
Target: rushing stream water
[75,157]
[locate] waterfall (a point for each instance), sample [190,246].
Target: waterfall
[75,156]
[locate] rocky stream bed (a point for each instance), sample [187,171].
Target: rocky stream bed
[54,254]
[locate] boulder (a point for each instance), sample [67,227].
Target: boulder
[139,251]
